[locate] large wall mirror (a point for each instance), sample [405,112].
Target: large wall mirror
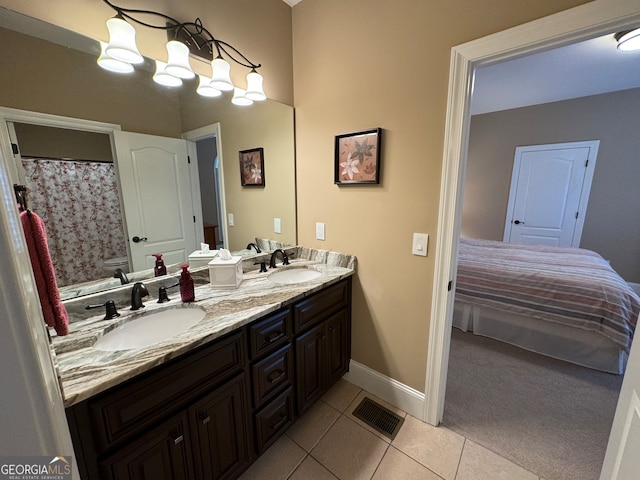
[53,71]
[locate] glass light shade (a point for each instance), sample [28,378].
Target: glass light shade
[163,78]
[111,64]
[254,87]
[205,89]
[630,41]
[239,97]
[221,78]
[178,61]
[122,41]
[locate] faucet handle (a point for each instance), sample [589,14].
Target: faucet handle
[110,309]
[263,266]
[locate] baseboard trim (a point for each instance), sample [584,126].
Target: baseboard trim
[387,389]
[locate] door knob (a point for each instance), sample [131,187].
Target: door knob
[518,222]
[137,239]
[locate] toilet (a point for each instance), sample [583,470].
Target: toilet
[110,265]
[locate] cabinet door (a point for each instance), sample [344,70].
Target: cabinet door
[310,364]
[220,422]
[162,454]
[337,347]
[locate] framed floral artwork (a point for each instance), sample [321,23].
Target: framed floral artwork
[357,157]
[252,167]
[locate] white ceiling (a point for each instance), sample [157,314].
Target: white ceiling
[587,68]
[291,3]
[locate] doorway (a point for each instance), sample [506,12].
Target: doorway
[594,19]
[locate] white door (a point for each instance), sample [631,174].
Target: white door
[550,188]
[156,196]
[622,460]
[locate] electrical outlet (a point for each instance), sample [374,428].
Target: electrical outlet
[230,219]
[319,231]
[420,242]
[277,228]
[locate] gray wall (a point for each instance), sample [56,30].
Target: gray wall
[612,224]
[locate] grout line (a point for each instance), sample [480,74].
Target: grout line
[464,445]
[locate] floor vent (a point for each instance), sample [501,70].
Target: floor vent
[378,417]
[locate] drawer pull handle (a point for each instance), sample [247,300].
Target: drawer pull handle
[178,440]
[274,336]
[277,375]
[278,424]
[205,420]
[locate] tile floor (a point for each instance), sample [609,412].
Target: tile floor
[329,443]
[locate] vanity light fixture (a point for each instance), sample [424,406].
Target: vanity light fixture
[185,38]
[629,40]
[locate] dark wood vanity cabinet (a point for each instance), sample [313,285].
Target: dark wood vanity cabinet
[208,414]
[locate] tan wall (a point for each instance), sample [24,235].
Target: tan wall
[381,63]
[260,29]
[612,226]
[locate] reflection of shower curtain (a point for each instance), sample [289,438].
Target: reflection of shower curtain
[79,204]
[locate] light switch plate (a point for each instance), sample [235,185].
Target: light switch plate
[277,228]
[420,243]
[230,219]
[319,231]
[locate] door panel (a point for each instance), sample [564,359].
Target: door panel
[549,192]
[156,193]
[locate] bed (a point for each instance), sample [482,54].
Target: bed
[567,303]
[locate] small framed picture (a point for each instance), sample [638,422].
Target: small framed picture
[357,157]
[252,167]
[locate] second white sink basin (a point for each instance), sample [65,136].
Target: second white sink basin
[150,328]
[294,275]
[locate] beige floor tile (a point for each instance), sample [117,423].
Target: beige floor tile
[396,465]
[310,469]
[341,395]
[277,462]
[356,401]
[478,463]
[349,451]
[437,448]
[310,428]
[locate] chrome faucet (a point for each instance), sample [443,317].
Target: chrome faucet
[285,258]
[254,246]
[138,291]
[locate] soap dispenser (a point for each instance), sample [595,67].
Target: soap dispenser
[160,268]
[187,292]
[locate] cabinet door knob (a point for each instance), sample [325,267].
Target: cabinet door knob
[178,440]
[204,418]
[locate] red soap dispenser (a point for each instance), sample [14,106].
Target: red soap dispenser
[187,292]
[160,268]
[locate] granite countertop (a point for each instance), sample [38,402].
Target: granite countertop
[85,371]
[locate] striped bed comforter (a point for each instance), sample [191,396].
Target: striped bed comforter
[571,286]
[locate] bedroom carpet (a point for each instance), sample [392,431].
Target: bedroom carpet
[551,417]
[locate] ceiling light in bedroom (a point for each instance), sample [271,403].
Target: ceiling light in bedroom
[628,40]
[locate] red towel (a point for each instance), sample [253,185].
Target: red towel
[53,310]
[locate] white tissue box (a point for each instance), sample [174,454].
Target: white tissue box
[200,258]
[225,273]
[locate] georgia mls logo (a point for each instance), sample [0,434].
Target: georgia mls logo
[35,468]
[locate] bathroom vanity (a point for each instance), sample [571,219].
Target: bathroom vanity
[206,404]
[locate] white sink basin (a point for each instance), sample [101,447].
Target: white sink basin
[293,275]
[150,328]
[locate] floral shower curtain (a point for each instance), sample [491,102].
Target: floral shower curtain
[80,206]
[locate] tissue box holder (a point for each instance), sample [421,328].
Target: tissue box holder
[225,273]
[200,259]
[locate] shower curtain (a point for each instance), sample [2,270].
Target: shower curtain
[80,206]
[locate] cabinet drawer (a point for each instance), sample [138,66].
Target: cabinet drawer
[271,374]
[273,419]
[308,312]
[126,409]
[270,333]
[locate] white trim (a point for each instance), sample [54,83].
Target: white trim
[386,388]
[201,133]
[580,23]
[585,189]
